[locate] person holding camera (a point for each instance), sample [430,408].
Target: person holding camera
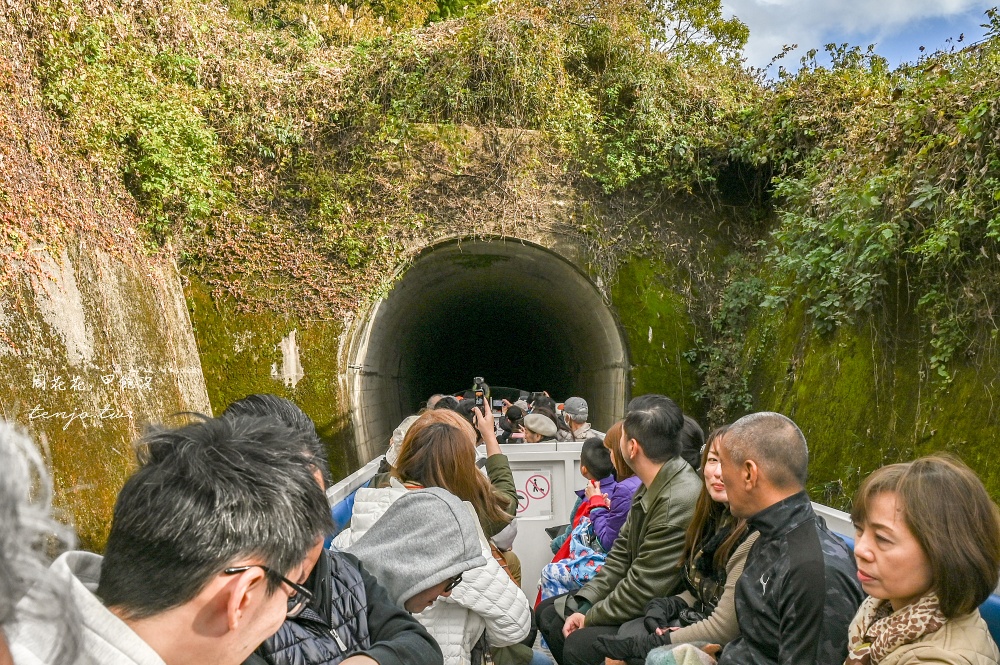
[715,549]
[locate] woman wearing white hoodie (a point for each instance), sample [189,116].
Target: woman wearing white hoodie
[439,451]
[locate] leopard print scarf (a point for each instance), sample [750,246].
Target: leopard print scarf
[876,631]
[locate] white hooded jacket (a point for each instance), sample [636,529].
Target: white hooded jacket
[487,598]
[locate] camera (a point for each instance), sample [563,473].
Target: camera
[480,391]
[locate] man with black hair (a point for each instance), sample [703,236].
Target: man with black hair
[643,562]
[210,541]
[288,413]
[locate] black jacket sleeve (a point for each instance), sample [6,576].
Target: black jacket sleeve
[397,638]
[802,599]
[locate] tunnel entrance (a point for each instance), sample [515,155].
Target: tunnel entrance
[515,313]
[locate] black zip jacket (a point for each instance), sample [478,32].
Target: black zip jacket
[798,593]
[350,614]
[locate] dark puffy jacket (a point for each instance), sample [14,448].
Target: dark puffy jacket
[350,614]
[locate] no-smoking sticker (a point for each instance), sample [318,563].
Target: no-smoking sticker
[537,487]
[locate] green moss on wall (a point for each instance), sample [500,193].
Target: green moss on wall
[92,352]
[659,330]
[89,458]
[240,352]
[863,400]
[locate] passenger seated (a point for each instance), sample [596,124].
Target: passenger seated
[583,553]
[25,522]
[211,540]
[799,587]
[438,451]
[715,549]
[620,498]
[539,428]
[643,563]
[512,425]
[429,539]
[421,547]
[447,403]
[444,455]
[692,442]
[927,545]
[575,413]
[329,630]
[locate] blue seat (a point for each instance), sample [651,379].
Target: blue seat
[341,513]
[990,610]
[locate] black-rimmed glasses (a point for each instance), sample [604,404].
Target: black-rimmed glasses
[300,596]
[453,583]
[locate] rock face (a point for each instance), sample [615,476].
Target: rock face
[93,349]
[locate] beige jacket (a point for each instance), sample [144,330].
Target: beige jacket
[721,626]
[961,641]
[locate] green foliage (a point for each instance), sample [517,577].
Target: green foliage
[343,22]
[724,379]
[602,79]
[135,106]
[697,30]
[888,184]
[447,9]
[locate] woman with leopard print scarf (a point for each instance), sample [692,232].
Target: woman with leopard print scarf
[928,553]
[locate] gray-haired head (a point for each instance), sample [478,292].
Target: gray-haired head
[27,533]
[206,495]
[775,443]
[287,412]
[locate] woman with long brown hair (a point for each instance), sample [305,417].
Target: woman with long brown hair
[439,450]
[715,549]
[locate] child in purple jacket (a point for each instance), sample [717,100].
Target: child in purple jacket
[593,536]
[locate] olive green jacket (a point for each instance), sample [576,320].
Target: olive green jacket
[502,479]
[642,564]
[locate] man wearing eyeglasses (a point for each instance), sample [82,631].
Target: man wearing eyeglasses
[340,614]
[210,542]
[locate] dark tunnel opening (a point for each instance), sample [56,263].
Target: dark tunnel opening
[516,314]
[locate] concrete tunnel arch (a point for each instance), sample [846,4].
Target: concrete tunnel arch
[513,312]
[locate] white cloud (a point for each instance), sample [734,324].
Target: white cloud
[813,23]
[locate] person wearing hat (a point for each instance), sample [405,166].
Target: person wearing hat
[576,412]
[539,428]
[512,425]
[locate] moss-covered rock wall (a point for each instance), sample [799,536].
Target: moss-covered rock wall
[93,348]
[864,398]
[660,330]
[273,352]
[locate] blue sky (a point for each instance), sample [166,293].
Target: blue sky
[897,27]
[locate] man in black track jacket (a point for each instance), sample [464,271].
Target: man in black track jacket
[799,589]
